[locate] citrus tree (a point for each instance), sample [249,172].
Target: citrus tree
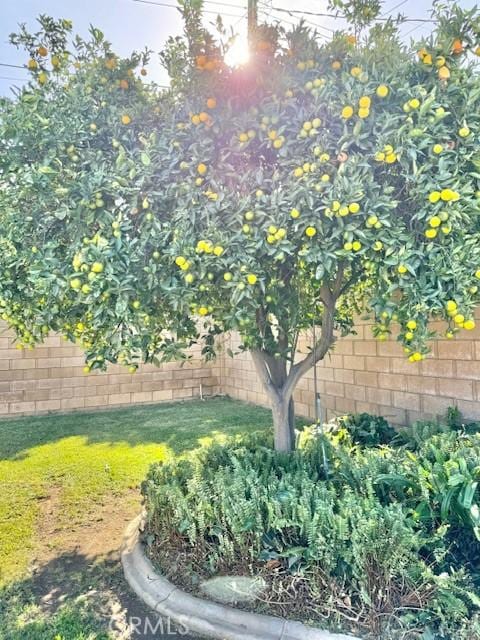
[321,179]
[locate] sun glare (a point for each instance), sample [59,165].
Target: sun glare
[238,53]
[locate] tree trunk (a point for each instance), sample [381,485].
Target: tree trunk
[283,413]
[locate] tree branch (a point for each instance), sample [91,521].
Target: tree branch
[323,344]
[260,362]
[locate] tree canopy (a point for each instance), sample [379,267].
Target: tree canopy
[320,179]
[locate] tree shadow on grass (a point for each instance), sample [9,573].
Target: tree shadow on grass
[178,426]
[75,597]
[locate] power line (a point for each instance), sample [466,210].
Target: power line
[397,6]
[15,79]
[174,6]
[13,66]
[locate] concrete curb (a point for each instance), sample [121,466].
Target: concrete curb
[204,617]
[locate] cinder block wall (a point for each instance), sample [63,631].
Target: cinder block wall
[363,374]
[51,378]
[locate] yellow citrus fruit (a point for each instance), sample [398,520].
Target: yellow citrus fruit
[195,119]
[464,132]
[434,196]
[336,65]
[431,234]
[414,103]
[477,274]
[417,356]
[356,72]
[444,73]
[451,306]
[316,122]
[364,102]
[348,246]
[469,325]
[126,119]
[354,207]
[202,169]
[347,112]
[310,232]
[203,311]
[251,278]
[243,137]
[356,245]
[75,283]
[402,269]
[382,91]
[211,103]
[459,318]
[227,276]
[295,213]
[409,336]
[363,113]
[97,267]
[189,278]
[218,250]
[390,158]
[412,325]
[437,148]
[298,173]
[435,222]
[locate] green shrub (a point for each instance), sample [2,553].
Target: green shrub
[366,429]
[378,541]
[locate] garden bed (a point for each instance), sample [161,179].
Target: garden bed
[372,543]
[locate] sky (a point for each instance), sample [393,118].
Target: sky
[131,24]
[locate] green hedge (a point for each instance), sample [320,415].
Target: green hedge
[383,542]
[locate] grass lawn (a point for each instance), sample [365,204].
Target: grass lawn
[68,486]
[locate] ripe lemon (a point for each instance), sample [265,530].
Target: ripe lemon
[211,103]
[298,173]
[97,267]
[189,278]
[431,234]
[402,269]
[469,325]
[363,113]
[251,278]
[180,261]
[336,65]
[76,283]
[464,132]
[417,356]
[451,306]
[356,71]
[459,318]
[295,213]
[390,158]
[412,325]
[126,119]
[218,250]
[364,102]
[435,222]
[437,148]
[409,336]
[310,232]
[348,246]
[316,122]
[227,276]
[202,169]
[195,119]
[354,207]
[434,196]
[347,112]
[356,246]
[378,246]
[477,274]
[32,64]
[414,103]
[382,91]
[203,311]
